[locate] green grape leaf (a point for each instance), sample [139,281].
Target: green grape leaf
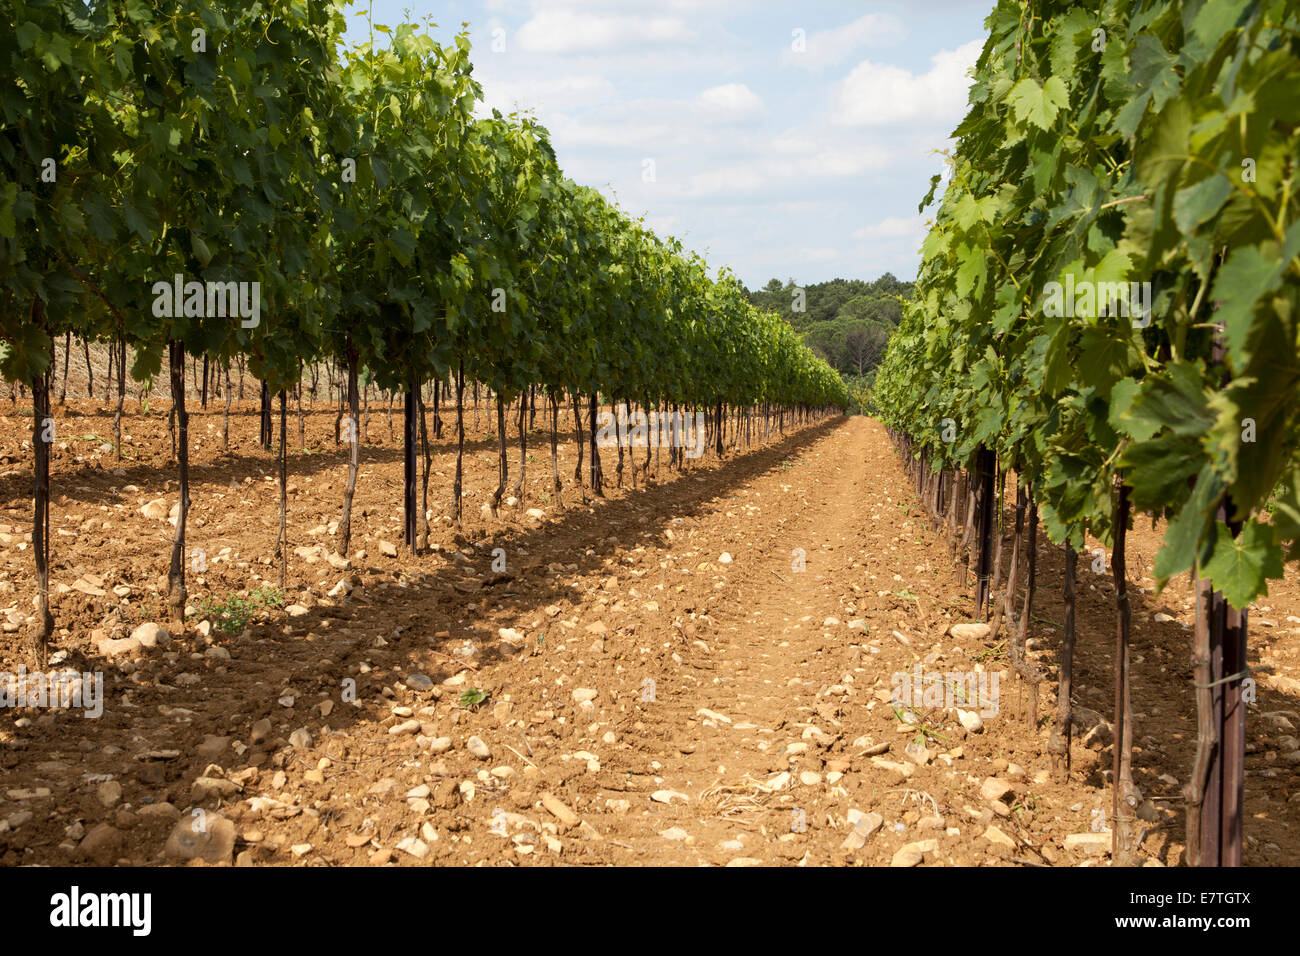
[1183,546]
[1242,281]
[1240,567]
[1038,104]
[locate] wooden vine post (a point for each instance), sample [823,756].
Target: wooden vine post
[1214,793]
[43,626]
[1058,745]
[1124,802]
[985,464]
[410,473]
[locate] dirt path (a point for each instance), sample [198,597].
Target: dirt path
[782,697]
[647,701]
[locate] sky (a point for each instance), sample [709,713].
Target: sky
[779,139]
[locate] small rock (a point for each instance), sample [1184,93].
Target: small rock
[204,788]
[416,848]
[477,748]
[559,810]
[126,647]
[1089,844]
[155,510]
[995,789]
[667,796]
[917,752]
[998,838]
[163,809]
[103,844]
[150,635]
[109,793]
[911,854]
[904,770]
[864,825]
[210,837]
[212,747]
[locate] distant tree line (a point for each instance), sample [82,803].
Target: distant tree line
[847,322]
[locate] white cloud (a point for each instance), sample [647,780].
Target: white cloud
[849,160]
[731,100]
[799,208]
[726,179]
[818,255]
[566,31]
[548,94]
[662,226]
[893,227]
[825,48]
[793,142]
[776,165]
[876,94]
[646,135]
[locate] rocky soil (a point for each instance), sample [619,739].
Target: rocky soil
[698,671]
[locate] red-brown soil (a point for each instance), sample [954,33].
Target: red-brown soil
[756,669]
